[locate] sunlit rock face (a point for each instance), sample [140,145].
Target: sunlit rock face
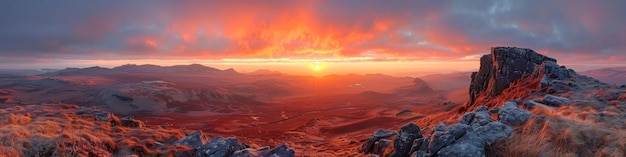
[503,66]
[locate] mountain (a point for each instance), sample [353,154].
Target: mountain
[611,75]
[143,69]
[448,81]
[79,71]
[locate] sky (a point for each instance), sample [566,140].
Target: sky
[400,37]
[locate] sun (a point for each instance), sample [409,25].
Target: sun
[316,67]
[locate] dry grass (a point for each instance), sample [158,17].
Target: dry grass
[563,133]
[67,130]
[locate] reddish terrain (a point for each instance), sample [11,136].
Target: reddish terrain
[328,115]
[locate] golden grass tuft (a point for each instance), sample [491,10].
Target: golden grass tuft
[49,130]
[561,136]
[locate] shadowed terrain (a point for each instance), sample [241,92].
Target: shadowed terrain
[525,102]
[313,115]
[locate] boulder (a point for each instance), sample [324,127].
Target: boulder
[404,141]
[420,144]
[467,118]
[512,115]
[281,150]
[420,154]
[439,140]
[555,100]
[458,130]
[373,143]
[470,145]
[380,146]
[493,132]
[559,86]
[440,127]
[219,147]
[530,104]
[194,140]
[481,118]
[131,123]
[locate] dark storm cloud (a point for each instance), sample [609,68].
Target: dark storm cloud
[573,31]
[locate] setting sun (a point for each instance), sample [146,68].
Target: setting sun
[316,67]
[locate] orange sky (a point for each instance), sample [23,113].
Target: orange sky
[350,36]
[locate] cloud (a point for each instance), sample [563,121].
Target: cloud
[310,29]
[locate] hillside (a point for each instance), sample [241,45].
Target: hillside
[521,104]
[612,75]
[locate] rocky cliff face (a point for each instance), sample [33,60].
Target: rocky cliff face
[501,68]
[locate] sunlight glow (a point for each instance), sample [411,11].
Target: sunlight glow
[316,67]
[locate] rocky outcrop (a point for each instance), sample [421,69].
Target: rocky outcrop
[230,147]
[403,142]
[377,143]
[500,68]
[220,147]
[555,100]
[469,137]
[512,115]
[280,151]
[194,140]
[131,123]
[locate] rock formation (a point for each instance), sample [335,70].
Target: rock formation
[500,68]
[469,137]
[377,143]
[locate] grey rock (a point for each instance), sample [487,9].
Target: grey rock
[469,145]
[481,108]
[440,127]
[420,144]
[420,154]
[467,118]
[380,146]
[281,150]
[102,116]
[194,140]
[131,123]
[530,104]
[512,115]
[500,68]
[493,132]
[404,141]
[481,118]
[439,140]
[560,86]
[372,143]
[458,130]
[219,147]
[550,71]
[462,150]
[555,100]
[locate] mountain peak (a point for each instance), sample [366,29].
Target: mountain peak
[502,67]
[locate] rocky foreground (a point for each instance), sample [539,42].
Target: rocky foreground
[69,130]
[521,104]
